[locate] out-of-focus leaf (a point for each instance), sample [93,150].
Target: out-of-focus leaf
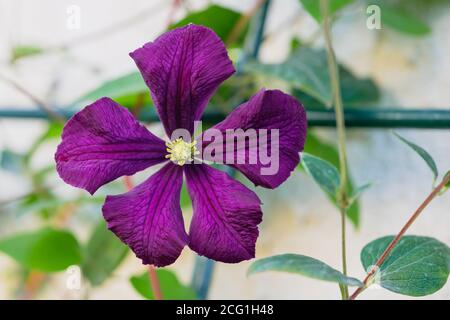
[140,99]
[402,21]
[423,154]
[11,161]
[304,70]
[54,131]
[324,173]
[24,51]
[221,20]
[357,91]
[103,253]
[127,85]
[313,7]
[46,250]
[328,152]
[231,93]
[416,266]
[40,203]
[171,287]
[185,199]
[303,265]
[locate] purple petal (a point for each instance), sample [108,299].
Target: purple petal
[268,109]
[103,142]
[226,215]
[148,218]
[183,68]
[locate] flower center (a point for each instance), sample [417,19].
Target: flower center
[180,151]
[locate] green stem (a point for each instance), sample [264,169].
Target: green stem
[340,126]
[344,290]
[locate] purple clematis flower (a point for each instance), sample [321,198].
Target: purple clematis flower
[104,141]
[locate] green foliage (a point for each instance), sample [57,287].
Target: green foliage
[313,7]
[24,51]
[103,253]
[185,199]
[400,20]
[304,70]
[447,185]
[302,265]
[423,154]
[221,20]
[416,266]
[128,85]
[358,191]
[324,173]
[328,152]
[171,287]
[46,250]
[11,161]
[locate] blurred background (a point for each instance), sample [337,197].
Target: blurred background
[61,55]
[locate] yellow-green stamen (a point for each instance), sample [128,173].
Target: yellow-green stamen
[180,151]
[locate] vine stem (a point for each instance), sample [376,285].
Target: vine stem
[52,114]
[242,22]
[341,196]
[153,276]
[410,221]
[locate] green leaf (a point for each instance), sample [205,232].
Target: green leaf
[103,253]
[11,161]
[54,131]
[304,71]
[328,152]
[127,85]
[357,91]
[46,250]
[447,185]
[303,265]
[313,7]
[24,51]
[417,266]
[423,154]
[171,287]
[221,20]
[358,191]
[402,21]
[324,173]
[185,199]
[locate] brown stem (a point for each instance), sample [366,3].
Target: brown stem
[389,248]
[173,9]
[242,22]
[154,281]
[33,284]
[41,104]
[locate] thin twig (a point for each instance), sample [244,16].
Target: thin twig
[242,22]
[173,9]
[391,246]
[40,103]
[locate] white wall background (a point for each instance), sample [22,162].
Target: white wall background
[412,72]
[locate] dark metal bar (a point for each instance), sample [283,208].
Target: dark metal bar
[204,268]
[354,118]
